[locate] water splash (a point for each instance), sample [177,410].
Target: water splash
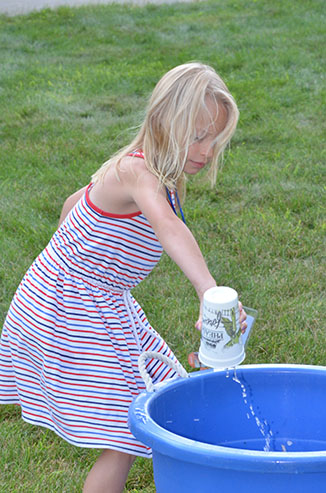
[262,425]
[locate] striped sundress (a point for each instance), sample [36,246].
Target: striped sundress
[73,333]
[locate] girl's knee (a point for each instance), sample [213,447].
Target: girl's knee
[115,455]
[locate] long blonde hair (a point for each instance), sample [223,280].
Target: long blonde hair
[169,124]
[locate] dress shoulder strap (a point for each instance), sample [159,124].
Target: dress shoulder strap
[137,154]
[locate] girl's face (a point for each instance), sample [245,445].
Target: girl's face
[208,126]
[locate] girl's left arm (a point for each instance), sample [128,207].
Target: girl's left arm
[70,203]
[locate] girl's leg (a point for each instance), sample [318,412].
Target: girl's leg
[109,473]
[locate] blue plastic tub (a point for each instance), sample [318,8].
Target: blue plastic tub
[208,432]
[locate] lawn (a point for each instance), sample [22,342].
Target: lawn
[73,87]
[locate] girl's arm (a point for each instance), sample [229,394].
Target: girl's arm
[172,233]
[177,241]
[70,203]
[174,236]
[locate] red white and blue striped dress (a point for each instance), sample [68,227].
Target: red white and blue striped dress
[73,334]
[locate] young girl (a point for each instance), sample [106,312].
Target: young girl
[73,333]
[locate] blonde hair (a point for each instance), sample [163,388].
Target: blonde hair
[169,124]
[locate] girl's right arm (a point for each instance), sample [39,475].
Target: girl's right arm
[172,233]
[176,239]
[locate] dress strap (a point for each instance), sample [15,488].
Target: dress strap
[136,154]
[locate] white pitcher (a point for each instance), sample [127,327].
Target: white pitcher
[221,343]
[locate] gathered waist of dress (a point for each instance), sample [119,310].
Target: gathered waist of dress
[52,260]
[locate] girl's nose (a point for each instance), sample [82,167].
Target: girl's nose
[206,150]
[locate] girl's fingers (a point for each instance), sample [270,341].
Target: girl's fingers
[243,317]
[243,327]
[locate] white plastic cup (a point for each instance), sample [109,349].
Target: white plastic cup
[221,343]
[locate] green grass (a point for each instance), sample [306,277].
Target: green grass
[72,84]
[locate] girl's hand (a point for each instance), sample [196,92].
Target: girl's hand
[243,317]
[199,322]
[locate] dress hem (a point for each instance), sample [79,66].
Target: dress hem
[82,445]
